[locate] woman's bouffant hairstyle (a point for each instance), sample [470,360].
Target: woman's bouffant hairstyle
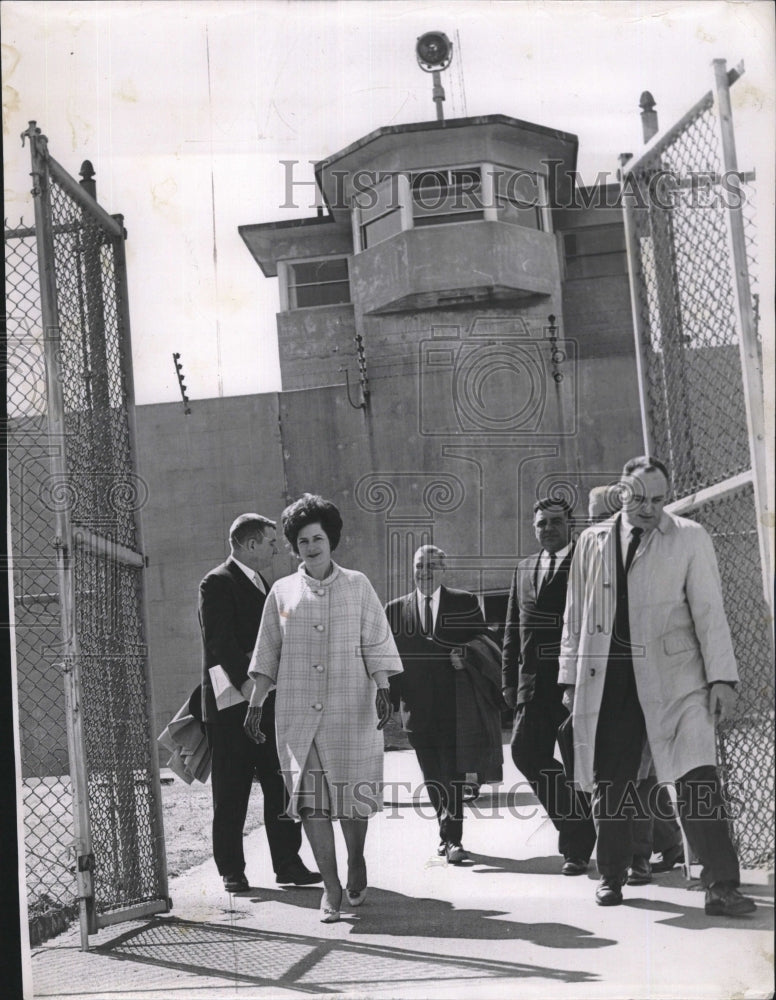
[311,509]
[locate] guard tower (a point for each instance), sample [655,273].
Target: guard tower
[458,291]
[427,224]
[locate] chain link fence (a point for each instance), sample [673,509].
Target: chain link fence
[746,741]
[46,791]
[679,202]
[93,829]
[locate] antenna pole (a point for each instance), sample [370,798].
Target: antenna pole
[438,95]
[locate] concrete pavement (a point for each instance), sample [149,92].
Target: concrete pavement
[507,925]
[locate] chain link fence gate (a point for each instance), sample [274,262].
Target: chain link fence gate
[689,221]
[94,840]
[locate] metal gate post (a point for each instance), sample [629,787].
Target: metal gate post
[745,325]
[63,541]
[633,257]
[125,344]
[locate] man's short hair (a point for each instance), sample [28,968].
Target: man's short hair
[248,526]
[603,501]
[553,504]
[429,550]
[646,463]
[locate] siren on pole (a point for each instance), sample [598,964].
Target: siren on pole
[434,52]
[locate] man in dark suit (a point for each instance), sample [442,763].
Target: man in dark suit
[534,625]
[231,601]
[429,626]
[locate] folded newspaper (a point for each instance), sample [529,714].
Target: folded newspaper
[226,693]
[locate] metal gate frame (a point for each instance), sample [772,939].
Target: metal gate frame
[664,314]
[71,537]
[744,313]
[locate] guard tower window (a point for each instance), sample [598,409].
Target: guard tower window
[447,195]
[323,282]
[519,196]
[381,214]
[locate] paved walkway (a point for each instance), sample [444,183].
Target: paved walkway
[508,925]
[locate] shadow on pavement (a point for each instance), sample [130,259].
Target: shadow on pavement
[410,916]
[300,962]
[524,866]
[694,917]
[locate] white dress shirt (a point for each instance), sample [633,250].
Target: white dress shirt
[421,599]
[544,562]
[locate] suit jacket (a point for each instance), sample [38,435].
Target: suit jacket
[425,692]
[533,631]
[230,609]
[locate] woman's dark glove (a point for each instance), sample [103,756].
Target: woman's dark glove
[383,706]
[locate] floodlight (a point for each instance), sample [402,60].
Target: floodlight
[434,51]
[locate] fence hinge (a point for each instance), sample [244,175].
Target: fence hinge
[85,862]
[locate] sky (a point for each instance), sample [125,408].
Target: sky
[187,108]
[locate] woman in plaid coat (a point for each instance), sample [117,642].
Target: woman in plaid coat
[325,645]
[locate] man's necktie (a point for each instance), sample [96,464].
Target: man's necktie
[428,618]
[636,534]
[259,584]
[550,570]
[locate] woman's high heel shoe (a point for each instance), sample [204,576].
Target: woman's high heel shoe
[356,898]
[329,913]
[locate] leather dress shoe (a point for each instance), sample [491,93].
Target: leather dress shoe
[296,872]
[574,866]
[640,871]
[669,858]
[236,883]
[609,891]
[724,900]
[455,854]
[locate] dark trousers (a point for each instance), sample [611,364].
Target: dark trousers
[444,784]
[533,744]
[619,741]
[658,831]
[236,760]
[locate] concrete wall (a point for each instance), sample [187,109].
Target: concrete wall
[314,344]
[202,470]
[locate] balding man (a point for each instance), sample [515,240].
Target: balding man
[428,625]
[656,829]
[646,655]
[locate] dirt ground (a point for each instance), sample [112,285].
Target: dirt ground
[188,815]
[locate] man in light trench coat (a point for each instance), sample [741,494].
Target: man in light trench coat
[645,656]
